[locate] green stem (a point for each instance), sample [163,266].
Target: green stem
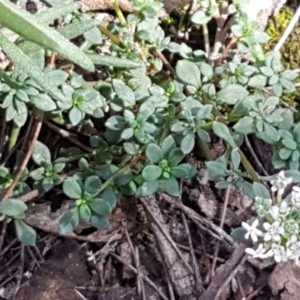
[119,12]
[111,36]
[203,147]
[247,165]
[78,156]
[14,137]
[133,162]
[206,39]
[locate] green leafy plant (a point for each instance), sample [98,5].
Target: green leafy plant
[145,116]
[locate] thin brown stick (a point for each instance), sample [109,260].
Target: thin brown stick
[248,144]
[167,236]
[165,62]
[33,257]
[3,231]
[140,284]
[26,159]
[197,276]
[12,151]
[2,138]
[255,293]
[223,214]
[8,247]
[138,267]
[21,271]
[150,282]
[226,51]
[28,133]
[65,134]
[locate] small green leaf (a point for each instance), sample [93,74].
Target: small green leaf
[116,123]
[188,72]
[25,233]
[41,154]
[92,185]
[285,153]
[154,153]
[69,221]
[258,81]
[58,167]
[84,213]
[216,170]
[38,174]
[44,102]
[277,89]
[168,145]
[147,188]
[57,77]
[232,93]
[222,131]
[239,234]
[110,197]
[124,93]
[12,207]
[289,75]
[72,188]
[170,186]
[94,36]
[188,143]
[175,157]
[235,159]
[261,191]
[200,18]
[47,184]
[75,116]
[179,172]
[289,144]
[151,172]
[100,206]
[100,222]
[4,172]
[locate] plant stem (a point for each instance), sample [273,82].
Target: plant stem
[206,40]
[247,165]
[203,147]
[14,137]
[111,36]
[226,51]
[133,162]
[26,159]
[119,12]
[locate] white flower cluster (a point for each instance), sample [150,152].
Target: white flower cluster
[276,231]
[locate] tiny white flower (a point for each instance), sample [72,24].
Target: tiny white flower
[296,196]
[274,231]
[274,212]
[258,253]
[284,208]
[277,212]
[278,252]
[252,230]
[293,248]
[280,183]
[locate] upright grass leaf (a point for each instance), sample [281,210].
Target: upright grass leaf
[32,29]
[49,15]
[70,31]
[113,61]
[15,54]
